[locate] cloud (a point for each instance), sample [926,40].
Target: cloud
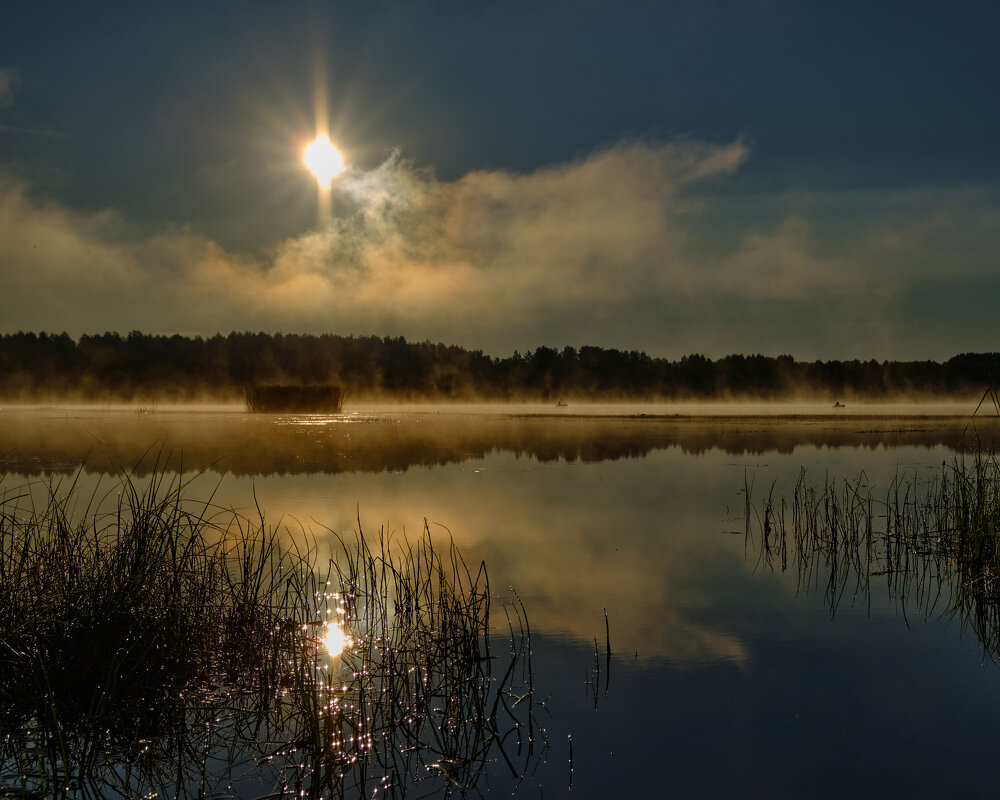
[611,249]
[45,247]
[34,132]
[784,263]
[10,83]
[504,245]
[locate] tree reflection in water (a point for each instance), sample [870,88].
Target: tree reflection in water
[177,650]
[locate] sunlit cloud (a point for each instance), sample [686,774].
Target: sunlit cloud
[45,247]
[611,249]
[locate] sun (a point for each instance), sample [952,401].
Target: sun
[324,160]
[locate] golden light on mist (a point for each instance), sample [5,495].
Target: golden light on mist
[336,639]
[324,160]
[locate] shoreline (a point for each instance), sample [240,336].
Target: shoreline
[719,412]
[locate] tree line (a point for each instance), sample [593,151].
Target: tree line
[110,367]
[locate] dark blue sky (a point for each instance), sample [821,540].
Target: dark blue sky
[191,116]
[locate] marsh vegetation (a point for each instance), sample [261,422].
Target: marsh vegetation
[169,647]
[929,544]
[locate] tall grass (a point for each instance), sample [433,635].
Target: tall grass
[933,545]
[173,648]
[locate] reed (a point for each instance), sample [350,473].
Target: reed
[932,544]
[175,648]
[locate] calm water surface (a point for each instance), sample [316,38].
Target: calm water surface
[726,679]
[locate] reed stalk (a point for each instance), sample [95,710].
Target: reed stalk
[932,544]
[175,648]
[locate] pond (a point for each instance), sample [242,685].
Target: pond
[667,657]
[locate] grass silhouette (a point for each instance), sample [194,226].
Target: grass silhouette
[173,647]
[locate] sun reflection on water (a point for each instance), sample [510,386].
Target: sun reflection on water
[336,639]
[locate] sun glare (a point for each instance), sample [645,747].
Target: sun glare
[324,160]
[336,640]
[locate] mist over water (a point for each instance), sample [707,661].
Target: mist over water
[376,438]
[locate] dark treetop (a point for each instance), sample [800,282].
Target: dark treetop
[138,367]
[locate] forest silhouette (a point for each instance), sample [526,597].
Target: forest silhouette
[137,367]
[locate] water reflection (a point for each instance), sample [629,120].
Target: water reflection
[639,532]
[159,652]
[717,663]
[336,639]
[927,543]
[55,440]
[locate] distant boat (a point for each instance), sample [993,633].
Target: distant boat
[321,398]
[561,404]
[838,404]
